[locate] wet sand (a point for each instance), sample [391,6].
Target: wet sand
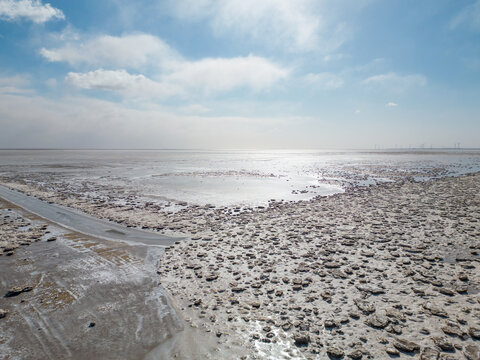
[385,271]
[71,296]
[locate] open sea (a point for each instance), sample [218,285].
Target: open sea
[225,178]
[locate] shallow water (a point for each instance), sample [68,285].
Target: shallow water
[223,178]
[84,223]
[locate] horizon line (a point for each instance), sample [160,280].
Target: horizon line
[376,149]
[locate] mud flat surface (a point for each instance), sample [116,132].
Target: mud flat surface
[83,223]
[391,271]
[65,295]
[379,272]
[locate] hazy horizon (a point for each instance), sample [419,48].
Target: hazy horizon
[249,149]
[201,74]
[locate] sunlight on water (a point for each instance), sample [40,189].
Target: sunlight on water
[225,177]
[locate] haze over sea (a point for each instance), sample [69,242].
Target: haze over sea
[225,177]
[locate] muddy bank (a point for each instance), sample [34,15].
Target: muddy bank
[67,295]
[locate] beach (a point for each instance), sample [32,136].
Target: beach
[376,271]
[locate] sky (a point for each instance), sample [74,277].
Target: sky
[240,74]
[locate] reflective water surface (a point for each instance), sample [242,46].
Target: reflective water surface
[225,177]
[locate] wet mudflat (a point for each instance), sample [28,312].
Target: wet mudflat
[391,271]
[83,223]
[376,272]
[67,295]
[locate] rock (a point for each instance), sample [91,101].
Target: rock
[52,239]
[392,351]
[255,304]
[443,343]
[212,277]
[329,323]
[418,291]
[301,339]
[365,306]
[446,291]
[238,289]
[394,329]
[395,314]
[435,310]
[17,290]
[474,333]
[377,321]
[424,331]
[452,330]
[429,353]
[406,346]
[355,355]
[472,352]
[335,353]
[14,291]
[3,313]
[367,253]
[372,289]
[354,315]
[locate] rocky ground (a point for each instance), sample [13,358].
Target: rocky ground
[387,271]
[16,231]
[376,272]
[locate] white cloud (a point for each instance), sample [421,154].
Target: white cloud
[391,104]
[33,10]
[208,76]
[325,80]
[299,25]
[17,84]
[171,73]
[224,74]
[395,81]
[124,83]
[133,51]
[469,16]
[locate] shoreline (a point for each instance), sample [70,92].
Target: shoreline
[270,273]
